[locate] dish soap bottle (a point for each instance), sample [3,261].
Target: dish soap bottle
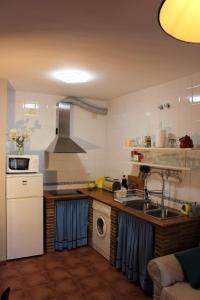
[124,182]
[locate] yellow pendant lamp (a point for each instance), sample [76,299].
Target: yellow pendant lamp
[181,19]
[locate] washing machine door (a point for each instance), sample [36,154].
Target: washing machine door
[101,226]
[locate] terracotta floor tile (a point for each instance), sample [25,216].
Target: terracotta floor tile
[79,274]
[19,295]
[41,292]
[14,282]
[66,287]
[35,279]
[102,293]
[8,272]
[75,296]
[123,285]
[29,268]
[91,283]
[59,274]
[52,264]
[112,276]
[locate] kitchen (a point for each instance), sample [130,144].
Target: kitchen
[133,115]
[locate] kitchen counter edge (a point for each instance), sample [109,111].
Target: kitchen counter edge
[107,198]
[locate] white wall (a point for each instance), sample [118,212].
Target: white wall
[85,125]
[132,115]
[137,114]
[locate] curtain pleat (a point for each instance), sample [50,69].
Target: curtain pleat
[135,249]
[71,222]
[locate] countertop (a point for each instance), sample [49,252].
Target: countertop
[107,198]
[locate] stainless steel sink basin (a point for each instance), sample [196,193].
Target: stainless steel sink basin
[167,213]
[151,209]
[140,205]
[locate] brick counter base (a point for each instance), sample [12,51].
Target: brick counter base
[90,222]
[114,235]
[176,238]
[167,239]
[49,228]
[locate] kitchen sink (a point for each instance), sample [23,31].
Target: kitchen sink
[157,213]
[140,204]
[151,209]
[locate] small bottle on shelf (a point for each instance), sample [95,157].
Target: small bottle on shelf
[124,182]
[137,156]
[147,141]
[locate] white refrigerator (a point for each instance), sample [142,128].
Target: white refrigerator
[24,215]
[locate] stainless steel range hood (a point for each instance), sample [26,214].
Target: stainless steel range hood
[63,142]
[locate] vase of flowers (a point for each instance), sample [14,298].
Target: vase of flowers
[19,136]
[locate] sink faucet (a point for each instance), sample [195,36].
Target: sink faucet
[146,195]
[146,192]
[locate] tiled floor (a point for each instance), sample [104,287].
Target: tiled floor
[69,275]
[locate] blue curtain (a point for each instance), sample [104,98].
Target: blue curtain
[135,249]
[71,223]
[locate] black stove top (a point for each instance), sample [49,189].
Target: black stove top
[64,192]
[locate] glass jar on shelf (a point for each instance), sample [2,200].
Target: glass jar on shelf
[172,142]
[147,141]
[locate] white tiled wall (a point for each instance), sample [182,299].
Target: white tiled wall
[42,121]
[130,116]
[137,114]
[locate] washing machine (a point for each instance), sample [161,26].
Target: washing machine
[101,228]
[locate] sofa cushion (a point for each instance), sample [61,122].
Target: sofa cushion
[180,291]
[190,262]
[165,270]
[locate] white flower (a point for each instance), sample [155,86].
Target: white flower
[27,134]
[21,138]
[13,133]
[18,135]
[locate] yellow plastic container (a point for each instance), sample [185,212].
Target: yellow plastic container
[99,182]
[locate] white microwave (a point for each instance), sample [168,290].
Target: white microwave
[22,164]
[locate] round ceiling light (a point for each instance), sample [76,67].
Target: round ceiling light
[73,76]
[181,19]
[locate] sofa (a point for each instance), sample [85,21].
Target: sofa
[169,281]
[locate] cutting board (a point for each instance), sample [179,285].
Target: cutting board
[136,181]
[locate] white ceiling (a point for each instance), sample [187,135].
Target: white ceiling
[119,42]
